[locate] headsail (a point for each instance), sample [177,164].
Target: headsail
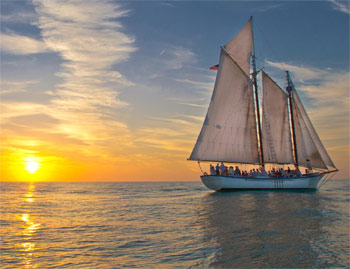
[277,145]
[229,130]
[310,147]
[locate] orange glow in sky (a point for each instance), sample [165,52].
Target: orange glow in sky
[90,91]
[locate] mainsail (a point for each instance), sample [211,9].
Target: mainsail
[276,136]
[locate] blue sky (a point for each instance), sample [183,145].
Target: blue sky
[128,82]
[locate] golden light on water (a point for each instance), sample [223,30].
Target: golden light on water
[32,164]
[28,231]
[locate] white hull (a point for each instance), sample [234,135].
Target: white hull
[219,183]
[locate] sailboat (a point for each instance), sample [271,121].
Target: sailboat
[241,129]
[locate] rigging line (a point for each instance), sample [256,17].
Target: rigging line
[326,180]
[199,164]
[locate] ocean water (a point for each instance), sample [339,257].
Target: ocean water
[171,224]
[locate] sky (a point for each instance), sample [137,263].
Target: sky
[118,90]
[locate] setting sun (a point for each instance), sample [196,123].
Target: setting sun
[32,164]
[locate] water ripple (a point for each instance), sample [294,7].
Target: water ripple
[179,224]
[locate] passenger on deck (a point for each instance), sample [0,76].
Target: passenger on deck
[230,171]
[212,170]
[281,171]
[299,174]
[254,174]
[237,171]
[263,172]
[225,173]
[217,169]
[258,172]
[222,168]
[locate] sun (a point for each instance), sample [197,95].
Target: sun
[32,164]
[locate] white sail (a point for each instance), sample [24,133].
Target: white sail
[277,147]
[307,152]
[322,153]
[229,130]
[240,47]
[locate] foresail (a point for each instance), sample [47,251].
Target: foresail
[277,147]
[229,130]
[240,47]
[307,152]
[312,132]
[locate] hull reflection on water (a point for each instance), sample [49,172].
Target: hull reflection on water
[264,229]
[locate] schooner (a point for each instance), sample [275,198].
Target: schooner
[240,129]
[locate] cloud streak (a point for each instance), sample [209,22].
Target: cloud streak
[342,6]
[177,57]
[90,41]
[21,45]
[8,87]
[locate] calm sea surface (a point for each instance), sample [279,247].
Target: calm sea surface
[167,224]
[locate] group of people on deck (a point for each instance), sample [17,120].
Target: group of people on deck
[261,172]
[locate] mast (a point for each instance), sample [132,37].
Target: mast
[290,95]
[254,74]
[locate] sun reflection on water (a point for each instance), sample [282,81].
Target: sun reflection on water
[29,230]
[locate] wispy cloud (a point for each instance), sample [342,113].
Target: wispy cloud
[19,17]
[16,109]
[177,57]
[302,73]
[21,45]
[90,41]
[173,135]
[342,6]
[8,87]
[208,86]
[268,7]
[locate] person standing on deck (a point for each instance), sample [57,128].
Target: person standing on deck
[230,171]
[212,170]
[222,168]
[217,169]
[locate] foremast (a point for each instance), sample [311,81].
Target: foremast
[290,98]
[255,84]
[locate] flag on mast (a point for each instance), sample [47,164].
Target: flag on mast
[214,67]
